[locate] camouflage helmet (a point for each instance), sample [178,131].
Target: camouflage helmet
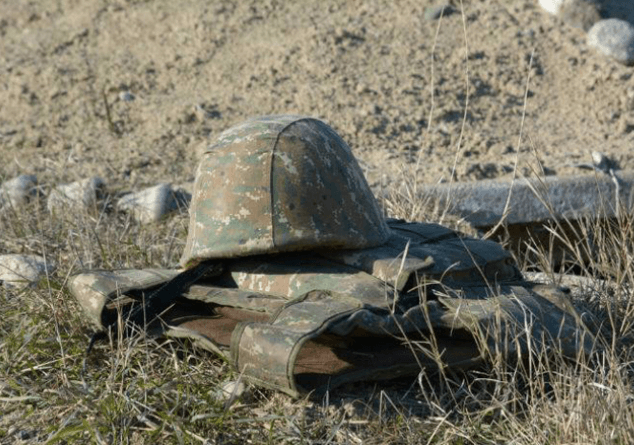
[279,184]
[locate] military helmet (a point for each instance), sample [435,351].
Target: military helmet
[280,184]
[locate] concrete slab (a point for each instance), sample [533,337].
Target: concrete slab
[484,203]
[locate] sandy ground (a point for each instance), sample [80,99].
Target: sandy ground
[133,90]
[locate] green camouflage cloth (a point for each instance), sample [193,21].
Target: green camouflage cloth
[352,297]
[280,184]
[310,321]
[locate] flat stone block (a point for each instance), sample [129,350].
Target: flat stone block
[483,203]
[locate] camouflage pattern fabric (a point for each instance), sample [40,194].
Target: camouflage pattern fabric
[101,291]
[280,184]
[310,321]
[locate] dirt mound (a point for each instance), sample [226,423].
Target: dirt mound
[131,90]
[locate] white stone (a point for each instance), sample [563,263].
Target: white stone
[551,6]
[18,191]
[230,391]
[86,194]
[22,270]
[154,203]
[614,38]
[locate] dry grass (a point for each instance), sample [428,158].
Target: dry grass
[140,391]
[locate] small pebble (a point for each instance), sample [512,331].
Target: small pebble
[154,203]
[23,270]
[551,6]
[126,96]
[435,12]
[230,392]
[86,194]
[18,191]
[614,38]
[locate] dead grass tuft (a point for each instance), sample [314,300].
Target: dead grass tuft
[142,391]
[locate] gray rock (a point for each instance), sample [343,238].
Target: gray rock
[484,203]
[527,208]
[81,195]
[23,270]
[18,191]
[154,203]
[614,38]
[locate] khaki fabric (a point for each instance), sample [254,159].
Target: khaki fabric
[307,322]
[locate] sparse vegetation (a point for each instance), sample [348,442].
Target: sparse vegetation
[143,391]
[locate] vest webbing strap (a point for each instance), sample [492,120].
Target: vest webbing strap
[160,299]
